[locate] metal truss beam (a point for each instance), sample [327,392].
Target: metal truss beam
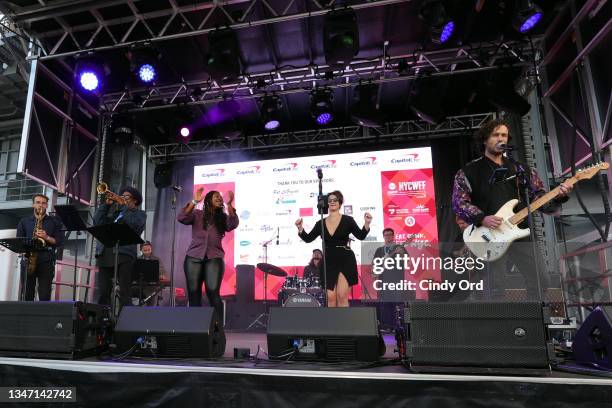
[206,24]
[307,139]
[302,79]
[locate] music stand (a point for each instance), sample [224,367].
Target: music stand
[22,246]
[115,235]
[72,221]
[145,270]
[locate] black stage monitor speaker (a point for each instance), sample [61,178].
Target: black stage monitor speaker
[170,332]
[478,334]
[329,334]
[593,341]
[52,329]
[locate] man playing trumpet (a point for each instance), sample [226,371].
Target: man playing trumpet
[122,208]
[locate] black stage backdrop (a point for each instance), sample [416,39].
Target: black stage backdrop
[449,154]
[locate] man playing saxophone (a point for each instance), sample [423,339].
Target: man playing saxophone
[48,232]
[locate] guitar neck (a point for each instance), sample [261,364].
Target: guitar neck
[521,215]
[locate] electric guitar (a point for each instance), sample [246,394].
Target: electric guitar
[491,244]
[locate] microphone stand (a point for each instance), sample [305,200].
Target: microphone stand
[172,297]
[322,207]
[525,183]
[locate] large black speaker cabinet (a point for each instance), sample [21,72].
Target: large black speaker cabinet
[52,329]
[329,334]
[593,342]
[477,334]
[170,332]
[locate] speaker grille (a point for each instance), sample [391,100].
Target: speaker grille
[341,349]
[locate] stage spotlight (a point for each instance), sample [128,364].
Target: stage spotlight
[340,36]
[527,15]
[123,130]
[364,111]
[321,106]
[436,15]
[146,73]
[426,100]
[502,95]
[89,74]
[185,132]
[223,59]
[270,111]
[143,63]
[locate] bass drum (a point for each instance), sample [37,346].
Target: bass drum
[302,300]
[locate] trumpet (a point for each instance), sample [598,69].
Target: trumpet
[102,188]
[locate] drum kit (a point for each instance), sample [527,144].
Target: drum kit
[296,291]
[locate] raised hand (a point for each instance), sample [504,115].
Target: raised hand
[198,195]
[367,217]
[299,223]
[230,196]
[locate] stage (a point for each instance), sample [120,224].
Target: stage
[259,382]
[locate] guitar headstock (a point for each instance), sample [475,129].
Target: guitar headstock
[588,172]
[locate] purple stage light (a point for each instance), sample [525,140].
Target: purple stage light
[146,73]
[324,118]
[89,80]
[185,132]
[272,124]
[530,22]
[447,31]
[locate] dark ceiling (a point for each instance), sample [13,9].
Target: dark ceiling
[278,36]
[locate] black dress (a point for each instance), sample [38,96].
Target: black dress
[340,258]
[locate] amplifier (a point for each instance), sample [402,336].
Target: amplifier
[53,329]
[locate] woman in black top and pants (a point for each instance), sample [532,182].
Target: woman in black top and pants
[340,259]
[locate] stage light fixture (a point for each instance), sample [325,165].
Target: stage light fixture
[223,59]
[270,111]
[441,25]
[364,111]
[340,36]
[526,16]
[502,95]
[426,100]
[123,130]
[321,106]
[147,73]
[143,63]
[89,74]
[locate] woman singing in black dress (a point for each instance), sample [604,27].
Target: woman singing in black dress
[341,263]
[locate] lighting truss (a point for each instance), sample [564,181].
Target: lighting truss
[308,139]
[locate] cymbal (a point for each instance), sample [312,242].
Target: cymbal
[271,269]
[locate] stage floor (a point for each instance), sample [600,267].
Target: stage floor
[261,382]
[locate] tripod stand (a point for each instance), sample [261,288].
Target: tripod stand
[267,269]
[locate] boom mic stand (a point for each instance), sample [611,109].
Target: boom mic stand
[323,207]
[523,180]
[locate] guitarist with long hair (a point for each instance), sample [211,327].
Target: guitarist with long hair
[486,184]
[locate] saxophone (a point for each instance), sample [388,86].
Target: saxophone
[33,255]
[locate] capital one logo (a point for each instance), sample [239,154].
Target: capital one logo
[366,161]
[286,167]
[214,173]
[408,158]
[249,170]
[326,164]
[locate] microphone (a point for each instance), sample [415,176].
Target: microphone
[178,189]
[277,234]
[319,173]
[505,147]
